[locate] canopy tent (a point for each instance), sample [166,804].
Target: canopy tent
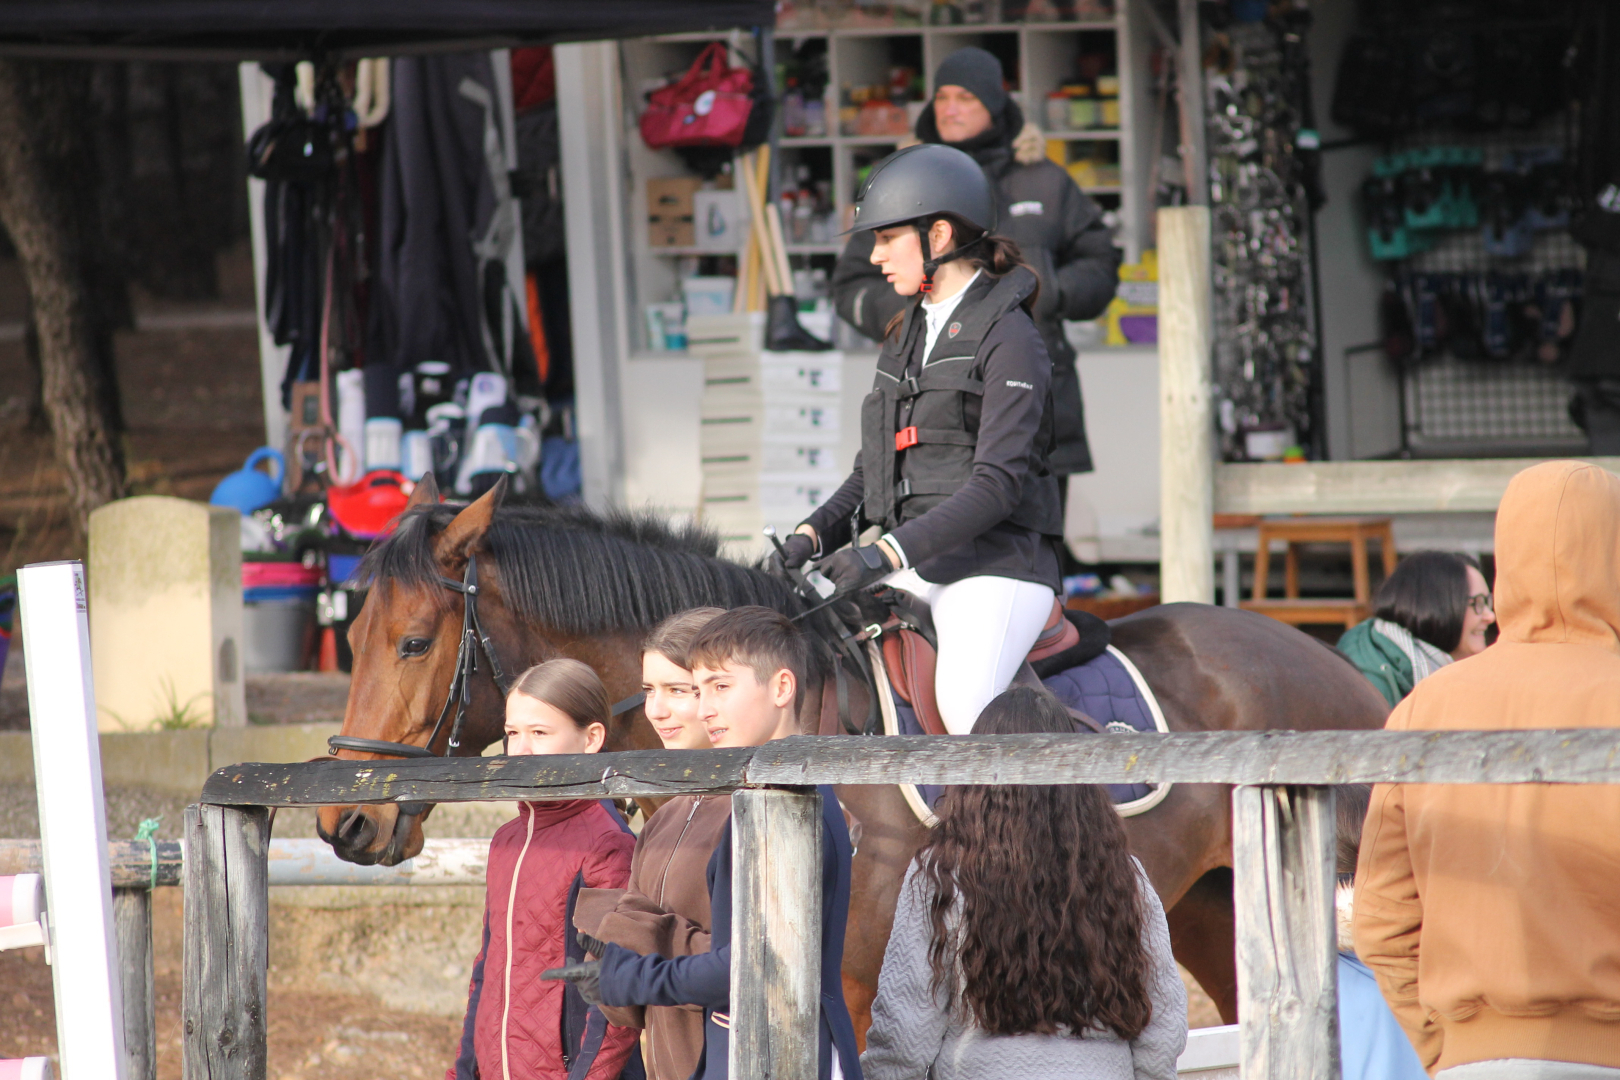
[293,29]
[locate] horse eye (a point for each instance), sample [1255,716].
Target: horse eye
[415,646]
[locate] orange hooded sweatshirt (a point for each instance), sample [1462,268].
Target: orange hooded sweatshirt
[1491,913]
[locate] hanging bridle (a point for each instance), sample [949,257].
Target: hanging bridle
[473,640]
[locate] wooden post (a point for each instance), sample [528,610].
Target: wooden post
[1186,429]
[1190,96]
[1287,953]
[132,922]
[776,933]
[227,942]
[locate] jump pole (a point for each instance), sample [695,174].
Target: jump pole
[1186,427]
[72,821]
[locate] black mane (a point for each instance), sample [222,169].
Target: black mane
[580,572]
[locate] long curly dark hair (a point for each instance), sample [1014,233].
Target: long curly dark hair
[1047,928]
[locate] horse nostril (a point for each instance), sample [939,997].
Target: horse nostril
[355,830]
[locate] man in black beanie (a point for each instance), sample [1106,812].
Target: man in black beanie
[1058,229]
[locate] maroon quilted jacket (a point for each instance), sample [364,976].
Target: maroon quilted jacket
[518,1026]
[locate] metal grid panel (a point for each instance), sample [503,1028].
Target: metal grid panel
[1483,401]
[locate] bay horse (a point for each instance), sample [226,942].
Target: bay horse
[564,581]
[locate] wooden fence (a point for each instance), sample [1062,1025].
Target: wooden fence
[1283,843]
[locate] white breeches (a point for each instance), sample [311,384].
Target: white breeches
[986,627]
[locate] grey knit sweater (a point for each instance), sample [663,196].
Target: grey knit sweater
[914,1030]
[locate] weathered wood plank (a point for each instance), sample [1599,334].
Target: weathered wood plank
[776,934]
[132,925]
[227,943]
[129,860]
[493,779]
[1282,873]
[1370,487]
[1587,755]
[1575,756]
[1186,422]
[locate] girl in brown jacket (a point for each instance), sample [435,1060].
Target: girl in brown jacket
[665,910]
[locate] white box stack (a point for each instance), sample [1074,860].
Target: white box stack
[769,432]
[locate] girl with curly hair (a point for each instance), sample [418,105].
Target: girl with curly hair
[1027,941]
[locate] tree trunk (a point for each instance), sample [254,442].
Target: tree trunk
[35,207]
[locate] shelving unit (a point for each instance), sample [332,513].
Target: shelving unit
[1038,57]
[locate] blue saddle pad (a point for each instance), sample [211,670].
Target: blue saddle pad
[1101,688]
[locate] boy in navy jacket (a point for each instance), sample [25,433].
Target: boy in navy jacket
[749,664]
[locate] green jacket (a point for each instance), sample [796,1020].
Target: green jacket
[1380,659]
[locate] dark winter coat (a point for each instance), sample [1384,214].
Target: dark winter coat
[1061,235]
[1005,508]
[665,910]
[543,1030]
[705,979]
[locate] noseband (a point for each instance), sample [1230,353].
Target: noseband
[473,640]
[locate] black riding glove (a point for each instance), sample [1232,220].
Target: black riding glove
[592,946]
[855,568]
[585,977]
[797,550]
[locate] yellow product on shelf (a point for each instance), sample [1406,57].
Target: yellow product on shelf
[1084,173]
[1058,151]
[1108,109]
[1138,294]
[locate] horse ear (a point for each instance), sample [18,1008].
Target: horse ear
[469,526]
[426,492]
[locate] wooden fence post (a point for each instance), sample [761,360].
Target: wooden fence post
[1186,422]
[227,942]
[1287,953]
[776,933]
[132,923]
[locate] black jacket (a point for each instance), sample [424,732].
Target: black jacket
[973,531]
[705,978]
[1062,236]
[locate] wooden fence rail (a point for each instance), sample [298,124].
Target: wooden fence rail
[1282,819]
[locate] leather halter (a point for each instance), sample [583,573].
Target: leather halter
[473,640]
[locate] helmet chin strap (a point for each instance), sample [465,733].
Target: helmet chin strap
[931,265]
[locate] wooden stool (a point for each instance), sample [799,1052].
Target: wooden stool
[1355,531]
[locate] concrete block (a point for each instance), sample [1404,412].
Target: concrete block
[166,613]
[169,760]
[281,742]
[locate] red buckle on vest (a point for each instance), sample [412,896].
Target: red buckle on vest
[905,438]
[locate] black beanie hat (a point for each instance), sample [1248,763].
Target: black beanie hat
[977,72]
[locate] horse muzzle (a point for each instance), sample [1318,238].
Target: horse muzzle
[373,835]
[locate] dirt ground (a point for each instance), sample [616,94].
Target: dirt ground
[312,1035]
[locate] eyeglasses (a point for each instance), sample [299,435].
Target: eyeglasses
[1479,603]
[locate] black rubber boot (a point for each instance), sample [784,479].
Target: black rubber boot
[783,332]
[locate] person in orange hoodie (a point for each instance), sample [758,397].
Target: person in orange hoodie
[1490,914]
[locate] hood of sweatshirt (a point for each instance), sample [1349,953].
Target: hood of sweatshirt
[1558,556]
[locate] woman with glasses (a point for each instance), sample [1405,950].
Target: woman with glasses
[1435,608]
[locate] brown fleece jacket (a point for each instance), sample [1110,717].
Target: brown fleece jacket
[665,911]
[1491,913]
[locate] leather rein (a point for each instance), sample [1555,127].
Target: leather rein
[474,639]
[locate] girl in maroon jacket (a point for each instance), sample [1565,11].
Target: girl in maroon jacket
[519,1027]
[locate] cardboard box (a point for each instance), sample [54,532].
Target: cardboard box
[670,232]
[671,196]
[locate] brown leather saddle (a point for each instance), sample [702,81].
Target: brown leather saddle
[911,659]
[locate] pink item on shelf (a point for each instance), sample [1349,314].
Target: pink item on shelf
[258,575]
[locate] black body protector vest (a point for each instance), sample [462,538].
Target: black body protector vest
[920,423]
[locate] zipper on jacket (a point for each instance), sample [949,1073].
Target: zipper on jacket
[506,982]
[663,881]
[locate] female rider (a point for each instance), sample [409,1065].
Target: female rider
[955,434]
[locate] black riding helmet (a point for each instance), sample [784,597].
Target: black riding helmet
[919,184]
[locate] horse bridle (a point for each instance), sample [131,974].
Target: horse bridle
[473,640]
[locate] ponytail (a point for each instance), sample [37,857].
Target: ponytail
[992,253]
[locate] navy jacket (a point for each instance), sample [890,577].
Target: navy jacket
[631,979]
